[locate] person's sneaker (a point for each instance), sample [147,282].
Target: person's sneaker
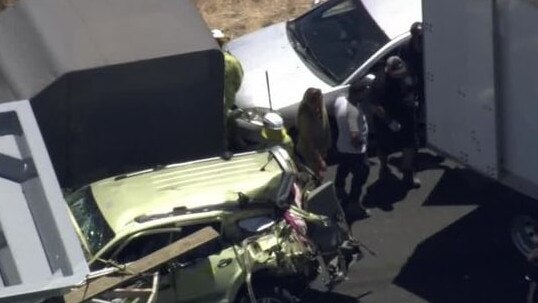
[411,181]
[341,194]
[364,209]
[364,213]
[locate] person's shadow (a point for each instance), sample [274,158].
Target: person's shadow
[315,296]
[384,192]
[387,191]
[424,160]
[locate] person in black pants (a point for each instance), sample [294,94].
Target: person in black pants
[352,142]
[394,107]
[413,55]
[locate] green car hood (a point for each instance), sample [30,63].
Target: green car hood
[194,185]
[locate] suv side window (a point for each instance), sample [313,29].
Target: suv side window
[150,241]
[144,245]
[203,251]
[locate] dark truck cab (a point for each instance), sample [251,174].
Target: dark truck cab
[115,86]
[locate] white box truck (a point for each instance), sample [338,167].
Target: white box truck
[481,82]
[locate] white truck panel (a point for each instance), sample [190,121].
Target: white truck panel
[482,86]
[518,89]
[460,81]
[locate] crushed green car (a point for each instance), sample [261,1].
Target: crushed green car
[278,230]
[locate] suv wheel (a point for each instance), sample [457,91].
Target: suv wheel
[269,294]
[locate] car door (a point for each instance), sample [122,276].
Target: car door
[144,243]
[208,274]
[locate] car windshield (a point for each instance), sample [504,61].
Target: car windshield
[92,225]
[336,38]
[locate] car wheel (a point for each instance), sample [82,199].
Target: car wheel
[269,294]
[525,234]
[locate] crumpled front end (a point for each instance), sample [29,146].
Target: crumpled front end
[311,238]
[281,251]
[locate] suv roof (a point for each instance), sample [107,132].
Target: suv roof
[193,185]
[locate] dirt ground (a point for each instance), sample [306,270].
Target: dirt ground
[5,3]
[238,17]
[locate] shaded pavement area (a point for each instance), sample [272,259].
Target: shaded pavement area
[445,242]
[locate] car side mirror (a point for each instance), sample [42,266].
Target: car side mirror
[368,79]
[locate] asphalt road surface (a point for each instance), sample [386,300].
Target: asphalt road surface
[447,241]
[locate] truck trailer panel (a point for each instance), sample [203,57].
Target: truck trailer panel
[481,92]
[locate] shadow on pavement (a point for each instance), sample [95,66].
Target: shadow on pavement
[424,160]
[473,259]
[466,187]
[316,296]
[383,193]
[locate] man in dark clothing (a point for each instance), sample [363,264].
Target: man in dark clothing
[413,56]
[394,107]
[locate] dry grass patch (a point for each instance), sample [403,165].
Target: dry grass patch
[238,17]
[6,3]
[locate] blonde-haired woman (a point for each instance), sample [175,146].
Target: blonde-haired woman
[314,132]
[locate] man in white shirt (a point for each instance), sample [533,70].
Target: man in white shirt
[352,140]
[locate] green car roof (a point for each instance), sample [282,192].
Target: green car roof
[193,185]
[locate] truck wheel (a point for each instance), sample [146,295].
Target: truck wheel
[269,294]
[524,233]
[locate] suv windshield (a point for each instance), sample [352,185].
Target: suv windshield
[91,223]
[336,38]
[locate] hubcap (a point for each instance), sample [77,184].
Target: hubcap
[524,234]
